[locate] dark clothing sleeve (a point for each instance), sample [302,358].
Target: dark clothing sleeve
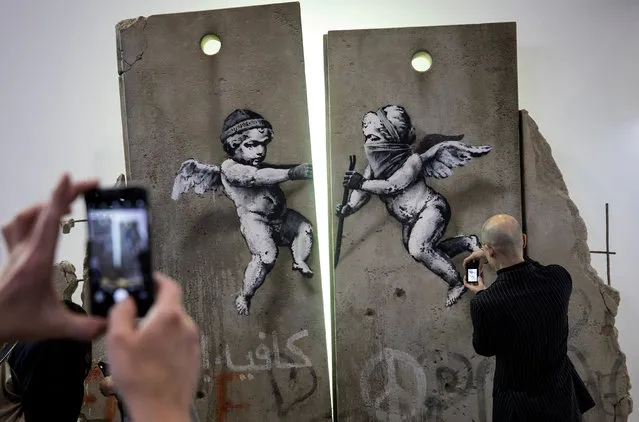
[50,377]
[485,338]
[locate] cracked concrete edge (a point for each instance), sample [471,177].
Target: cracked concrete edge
[125,24]
[126,64]
[123,68]
[581,253]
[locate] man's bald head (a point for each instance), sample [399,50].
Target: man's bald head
[503,233]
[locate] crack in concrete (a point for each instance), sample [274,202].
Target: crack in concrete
[603,297]
[614,407]
[140,55]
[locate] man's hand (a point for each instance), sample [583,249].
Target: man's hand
[478,255]
[476,288]
[353,180]
[30,308]
[301,172]
[155,366]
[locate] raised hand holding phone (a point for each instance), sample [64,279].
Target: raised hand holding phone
[472,272]
[30,309]
[155,366]
[473,279]
[119,248]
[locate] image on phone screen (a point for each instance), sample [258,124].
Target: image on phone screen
[119,252]
[472,275]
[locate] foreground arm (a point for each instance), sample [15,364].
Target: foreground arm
[30,308]
[485,328]
[155,365]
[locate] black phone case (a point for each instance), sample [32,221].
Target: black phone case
[109,195]
[472,265]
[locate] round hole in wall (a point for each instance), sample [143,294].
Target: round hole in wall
[210,44]
[421,61]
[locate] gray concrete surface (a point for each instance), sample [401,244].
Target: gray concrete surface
[65,279]
[174,101]
[557,234]
[401,354]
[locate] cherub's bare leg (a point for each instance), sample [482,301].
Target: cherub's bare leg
[423,247]
[455,245]
[297,231]
[259,239]
[301,249]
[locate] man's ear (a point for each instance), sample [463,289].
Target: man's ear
[489,250]
[524,239]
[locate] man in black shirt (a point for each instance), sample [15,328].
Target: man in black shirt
[48,377]
[522,320]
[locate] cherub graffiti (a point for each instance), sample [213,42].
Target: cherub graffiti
[265,220]
[397,175]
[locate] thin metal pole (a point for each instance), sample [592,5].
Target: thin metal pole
[607,244]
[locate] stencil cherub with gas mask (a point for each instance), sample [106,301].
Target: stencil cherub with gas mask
[398,175]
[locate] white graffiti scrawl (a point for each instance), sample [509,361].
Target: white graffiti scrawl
[270,358]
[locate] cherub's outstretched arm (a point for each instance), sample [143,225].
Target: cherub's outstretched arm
[399,181]
[248,176]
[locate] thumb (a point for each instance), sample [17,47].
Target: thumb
[82,327]
[122,318]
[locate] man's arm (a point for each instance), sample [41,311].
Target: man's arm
[399,181]
[51,378]
[485,327]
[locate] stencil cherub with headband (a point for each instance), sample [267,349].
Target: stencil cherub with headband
[265,220]
[397,174]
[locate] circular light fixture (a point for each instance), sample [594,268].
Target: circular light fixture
[210,44]
[421,61]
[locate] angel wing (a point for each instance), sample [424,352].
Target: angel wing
[201,177]
[433,139]
[440,160]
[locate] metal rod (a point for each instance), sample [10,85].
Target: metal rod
[604,252]
[607,244]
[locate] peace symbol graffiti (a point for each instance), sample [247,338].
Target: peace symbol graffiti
[395,400]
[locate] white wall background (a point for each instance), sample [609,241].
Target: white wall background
[578,69]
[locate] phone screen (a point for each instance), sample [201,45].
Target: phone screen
[472,272]
[119,248]
[472,275]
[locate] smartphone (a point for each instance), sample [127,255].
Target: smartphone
[119,248]
[472,272]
